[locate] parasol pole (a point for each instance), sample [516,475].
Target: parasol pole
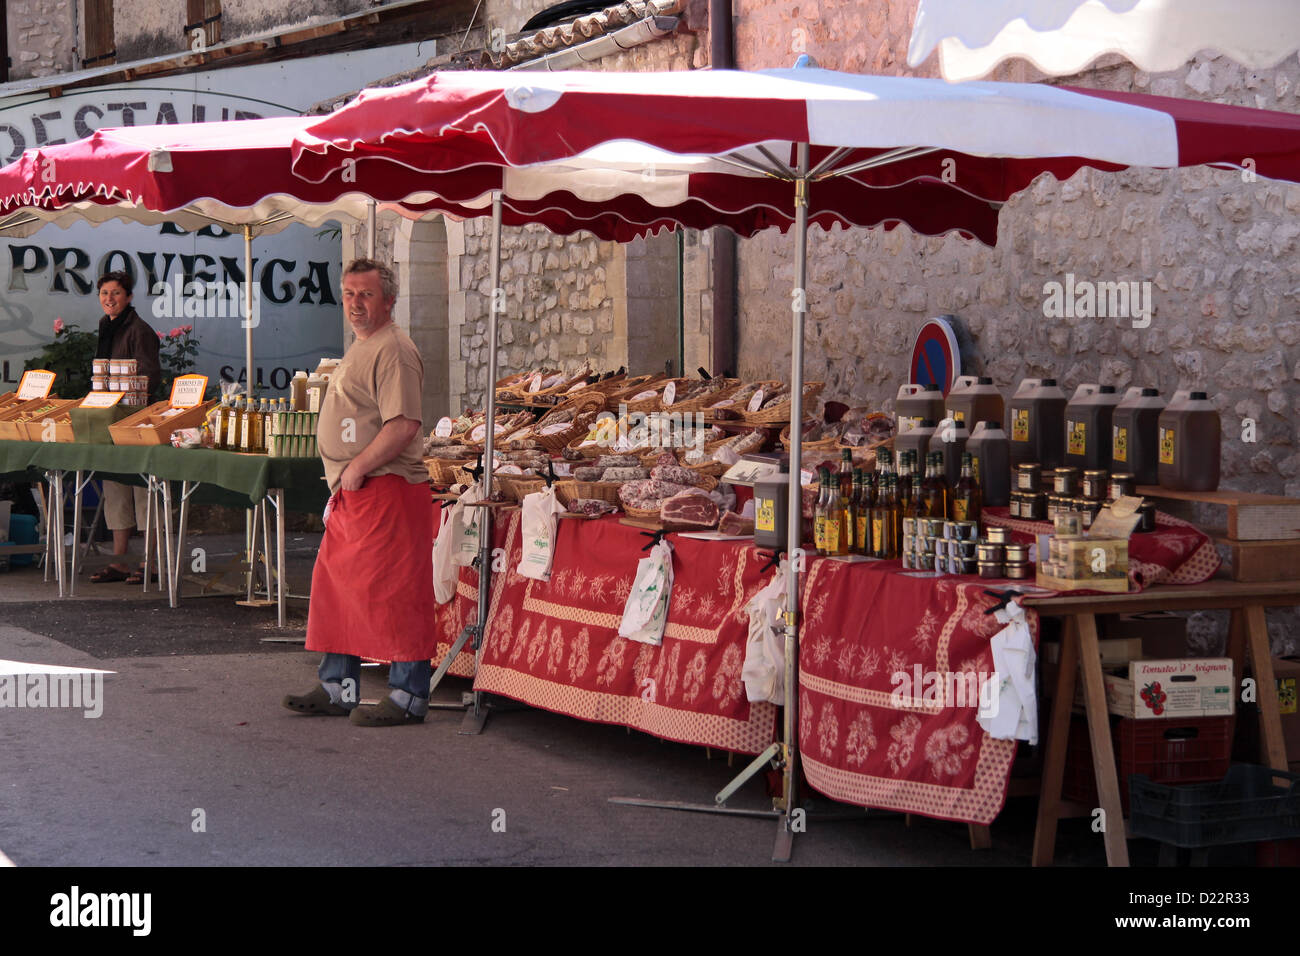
[794,517]
[477,714]
[248,305]
[370,228]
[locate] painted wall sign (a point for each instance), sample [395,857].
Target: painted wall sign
[296,272]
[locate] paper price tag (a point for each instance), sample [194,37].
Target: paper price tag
[102,399]
[670,393]
[187,391]
[443,428]
[756,401]
[35,384]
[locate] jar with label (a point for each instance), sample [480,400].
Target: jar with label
[1029,477]
[1122,484]
[1094,484]
[1013,507]
[1147,512]
[99,383]
[998,535]
[1065,481]
[99,366]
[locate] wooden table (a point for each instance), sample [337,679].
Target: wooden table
[1248,635]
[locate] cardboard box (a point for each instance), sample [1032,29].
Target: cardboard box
[1116,652]
[154,425]
[1163,635]
[1191,687]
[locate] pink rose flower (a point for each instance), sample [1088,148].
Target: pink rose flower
[58,326]
[174,334]
[160,335]
[187,329]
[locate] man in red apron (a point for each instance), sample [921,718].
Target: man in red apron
[372,588]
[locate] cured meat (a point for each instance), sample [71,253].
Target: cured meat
[450,452]
[617,461]
[691,508]
[732,523]
[590,506]
[588,474]
[676,473]
[624,474]
[649,493]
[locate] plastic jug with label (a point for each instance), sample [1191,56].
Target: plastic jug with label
[950,438]
[918,439]
[974,399]
[1088,420]
[1189,443]
[917,403]
[1036,423]
[1135,434]
[990,452]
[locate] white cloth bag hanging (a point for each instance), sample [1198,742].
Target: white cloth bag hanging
[763,672]
[539,533]
[645,615]
[1008,701]
[447,546]
[466,526]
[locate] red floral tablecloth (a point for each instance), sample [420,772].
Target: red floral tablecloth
[912,752]
[555,645]
[1177,552]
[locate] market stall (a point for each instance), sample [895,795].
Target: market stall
[812,129]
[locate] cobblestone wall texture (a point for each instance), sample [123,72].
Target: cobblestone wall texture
[40,34]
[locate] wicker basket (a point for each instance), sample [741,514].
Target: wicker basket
[633,386]
[700,404]
[820,446]
[516,487]
[568,491]
[655,402]
[442,471]
[651,514]
[781,412]
[555,394]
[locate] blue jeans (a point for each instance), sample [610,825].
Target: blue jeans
[409,681]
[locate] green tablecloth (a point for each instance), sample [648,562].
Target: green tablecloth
[234,480]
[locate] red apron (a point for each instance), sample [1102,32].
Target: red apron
[372,589]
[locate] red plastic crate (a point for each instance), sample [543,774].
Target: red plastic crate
[1169,751]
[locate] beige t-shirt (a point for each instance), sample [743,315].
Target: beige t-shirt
[381,377]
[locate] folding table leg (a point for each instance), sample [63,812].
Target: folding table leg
[1103,751]
[1058,732]
[278,502]
[166,487]
[1270,717]
[148,528]
[77,488]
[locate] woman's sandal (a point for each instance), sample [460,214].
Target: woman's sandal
[111,575]
[137,577]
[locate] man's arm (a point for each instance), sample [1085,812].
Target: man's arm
[387,445]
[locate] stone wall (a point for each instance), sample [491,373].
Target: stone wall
[39,37]
[571,299]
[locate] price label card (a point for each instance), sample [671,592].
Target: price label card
[187,390]
[756,402]
[35,384]
[670,393]
[443,428]
[102,399]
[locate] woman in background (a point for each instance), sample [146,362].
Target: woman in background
[124,335]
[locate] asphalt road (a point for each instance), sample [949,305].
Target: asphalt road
[192,730]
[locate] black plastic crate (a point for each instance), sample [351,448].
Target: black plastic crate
[1251,803]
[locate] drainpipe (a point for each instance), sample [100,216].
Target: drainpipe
[723,340]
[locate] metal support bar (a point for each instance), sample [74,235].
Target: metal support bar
[457,646]
[277,501]
[758,763]
[166,487]
[476,716]
[882,159]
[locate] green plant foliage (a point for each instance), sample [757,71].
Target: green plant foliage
[69,356]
